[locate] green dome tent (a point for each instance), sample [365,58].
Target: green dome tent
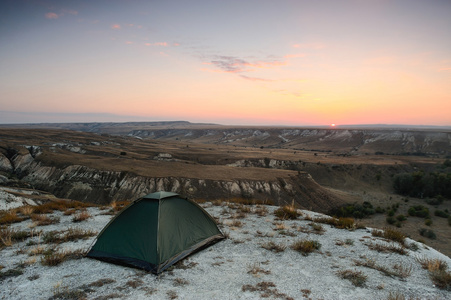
[155,232]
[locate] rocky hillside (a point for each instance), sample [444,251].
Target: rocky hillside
[100,169]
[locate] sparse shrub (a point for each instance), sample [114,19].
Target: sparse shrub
[380,210]
[390,220]
[287,212]
[357,278]
[449,220]
[272,246]
[306,246]
[441,214]
[355,210]
[428,222]
[419,211]
[428,233]
[401,218]
[391,213]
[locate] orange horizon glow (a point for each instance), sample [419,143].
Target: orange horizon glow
[88,60]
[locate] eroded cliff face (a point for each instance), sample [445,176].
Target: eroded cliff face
[98,186]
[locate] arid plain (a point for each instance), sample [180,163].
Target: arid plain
[321,169]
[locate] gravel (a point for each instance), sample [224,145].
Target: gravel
[236,268]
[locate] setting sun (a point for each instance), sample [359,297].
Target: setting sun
[332,125]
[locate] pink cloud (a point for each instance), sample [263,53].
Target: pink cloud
[128,42]
[298,55]
[445,69]
[255,78]
[51,15]
[115,26]
[160,44]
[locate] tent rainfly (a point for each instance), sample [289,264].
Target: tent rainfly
[154,232]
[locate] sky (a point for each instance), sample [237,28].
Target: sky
[237,62]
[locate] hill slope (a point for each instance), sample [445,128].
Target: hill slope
[241,267]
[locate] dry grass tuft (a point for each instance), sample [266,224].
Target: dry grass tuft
[72,234]
[398,270]
[306,246]
[432,264]
[387,248]
[10,217]
[44,220]
[82,216]
[54,257]
[180,281]
[134,283]
[390,234]
[8,236]
[26,210]
[341,223]
[287,212]
[438,271]
[60,205]
[256,270]
[102,282]
[317,228]
[267,289]
[271,246]
[357,278]
[261,210]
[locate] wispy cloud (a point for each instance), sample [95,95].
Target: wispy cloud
[51,15]
[116,26]
[255,78]
[231,64]
[445,69]
[159,44]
